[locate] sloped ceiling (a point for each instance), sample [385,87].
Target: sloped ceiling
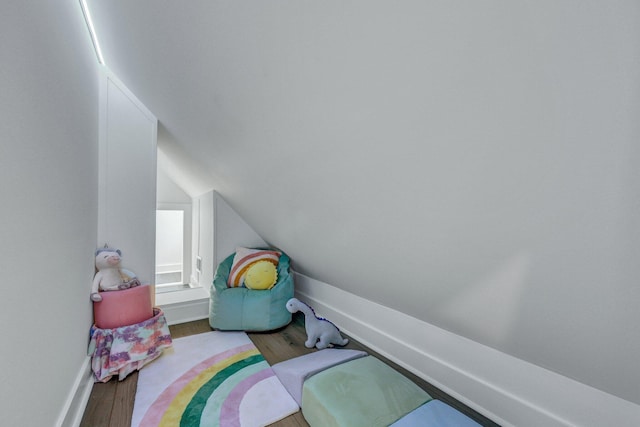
[472,164]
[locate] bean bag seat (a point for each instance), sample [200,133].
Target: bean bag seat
[243,309]
[362,392]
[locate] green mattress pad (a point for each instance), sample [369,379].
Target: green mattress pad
[362,392]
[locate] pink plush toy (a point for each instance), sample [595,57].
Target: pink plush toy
[110,276]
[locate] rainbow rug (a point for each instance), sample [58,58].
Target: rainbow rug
[210,379]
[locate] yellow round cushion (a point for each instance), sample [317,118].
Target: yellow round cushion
[261,275]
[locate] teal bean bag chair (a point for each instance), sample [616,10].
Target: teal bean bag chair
[243,309]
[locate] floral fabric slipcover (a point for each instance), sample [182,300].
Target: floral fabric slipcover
[123,350]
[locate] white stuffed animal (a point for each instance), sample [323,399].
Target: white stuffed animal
[110,276]
[321,333]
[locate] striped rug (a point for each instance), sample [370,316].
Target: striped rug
[210,379]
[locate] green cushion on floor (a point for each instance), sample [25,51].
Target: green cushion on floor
[363,392]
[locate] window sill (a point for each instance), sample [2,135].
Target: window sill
[186,295]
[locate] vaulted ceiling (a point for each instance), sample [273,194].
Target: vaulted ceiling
[471,164]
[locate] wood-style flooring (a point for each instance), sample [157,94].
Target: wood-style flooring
[111,403]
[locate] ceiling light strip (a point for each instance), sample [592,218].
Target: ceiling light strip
[92,31]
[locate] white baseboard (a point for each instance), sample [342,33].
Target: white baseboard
[175,312]
[507,390]
[76,403]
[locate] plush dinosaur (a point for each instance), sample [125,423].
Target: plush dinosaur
[110,276]
[321,333]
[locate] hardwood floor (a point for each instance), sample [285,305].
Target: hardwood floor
[111,404]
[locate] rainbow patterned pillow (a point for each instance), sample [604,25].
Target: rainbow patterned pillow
[245,258]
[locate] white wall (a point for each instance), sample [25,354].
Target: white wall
[127,177]
[231,231]
[48,176]
[168,191]
[471,164]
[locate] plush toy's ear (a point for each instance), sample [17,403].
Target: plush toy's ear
[118,252]
[102,249]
